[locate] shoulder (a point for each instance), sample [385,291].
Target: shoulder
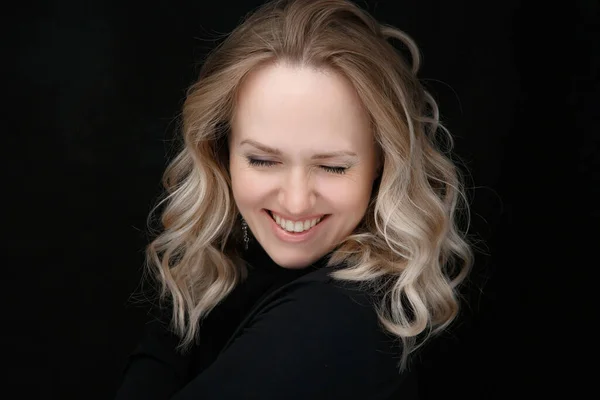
[320,308]
[312,338]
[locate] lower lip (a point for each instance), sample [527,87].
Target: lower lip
[294,237]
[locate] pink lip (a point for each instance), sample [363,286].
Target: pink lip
[297,219]
[292,237]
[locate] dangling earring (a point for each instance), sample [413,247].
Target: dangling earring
[245,232]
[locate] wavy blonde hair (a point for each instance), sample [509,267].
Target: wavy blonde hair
[409,248]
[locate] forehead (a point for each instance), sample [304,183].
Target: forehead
[279,103]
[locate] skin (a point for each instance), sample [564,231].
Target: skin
[286,119]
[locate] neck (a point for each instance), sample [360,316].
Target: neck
[257,257]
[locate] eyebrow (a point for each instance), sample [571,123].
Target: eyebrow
[320,156]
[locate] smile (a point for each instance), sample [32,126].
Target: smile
[295,226]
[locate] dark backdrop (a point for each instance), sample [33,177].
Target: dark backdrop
[93,90]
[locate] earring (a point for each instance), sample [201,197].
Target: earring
[245,232]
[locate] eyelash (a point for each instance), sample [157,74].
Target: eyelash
[253,162]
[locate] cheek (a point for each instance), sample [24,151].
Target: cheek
[239,185]
[349,194]
[247,187]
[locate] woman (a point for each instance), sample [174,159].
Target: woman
[310,240]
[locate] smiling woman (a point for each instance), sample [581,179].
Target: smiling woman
[310,241]
[312,156]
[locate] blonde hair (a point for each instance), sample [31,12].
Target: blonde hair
[409,248]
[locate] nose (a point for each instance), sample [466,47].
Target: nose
[297,195]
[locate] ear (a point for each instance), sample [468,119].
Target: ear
[376,174]
[379,165]
[379,160]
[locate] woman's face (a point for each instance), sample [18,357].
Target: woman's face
[302,161]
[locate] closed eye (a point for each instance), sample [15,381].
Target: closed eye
[254,162]
[334,170]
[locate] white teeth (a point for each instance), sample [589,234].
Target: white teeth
[299,226]
[289,226]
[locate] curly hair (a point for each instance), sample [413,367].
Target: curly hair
[409,248]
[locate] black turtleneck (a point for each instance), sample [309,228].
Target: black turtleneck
[264,277]
[280,328]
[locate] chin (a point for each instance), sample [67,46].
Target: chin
[292,262]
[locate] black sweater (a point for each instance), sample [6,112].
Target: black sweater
[281,334]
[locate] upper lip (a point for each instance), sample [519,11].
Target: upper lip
[297,219]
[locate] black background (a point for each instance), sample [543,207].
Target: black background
[93,90]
